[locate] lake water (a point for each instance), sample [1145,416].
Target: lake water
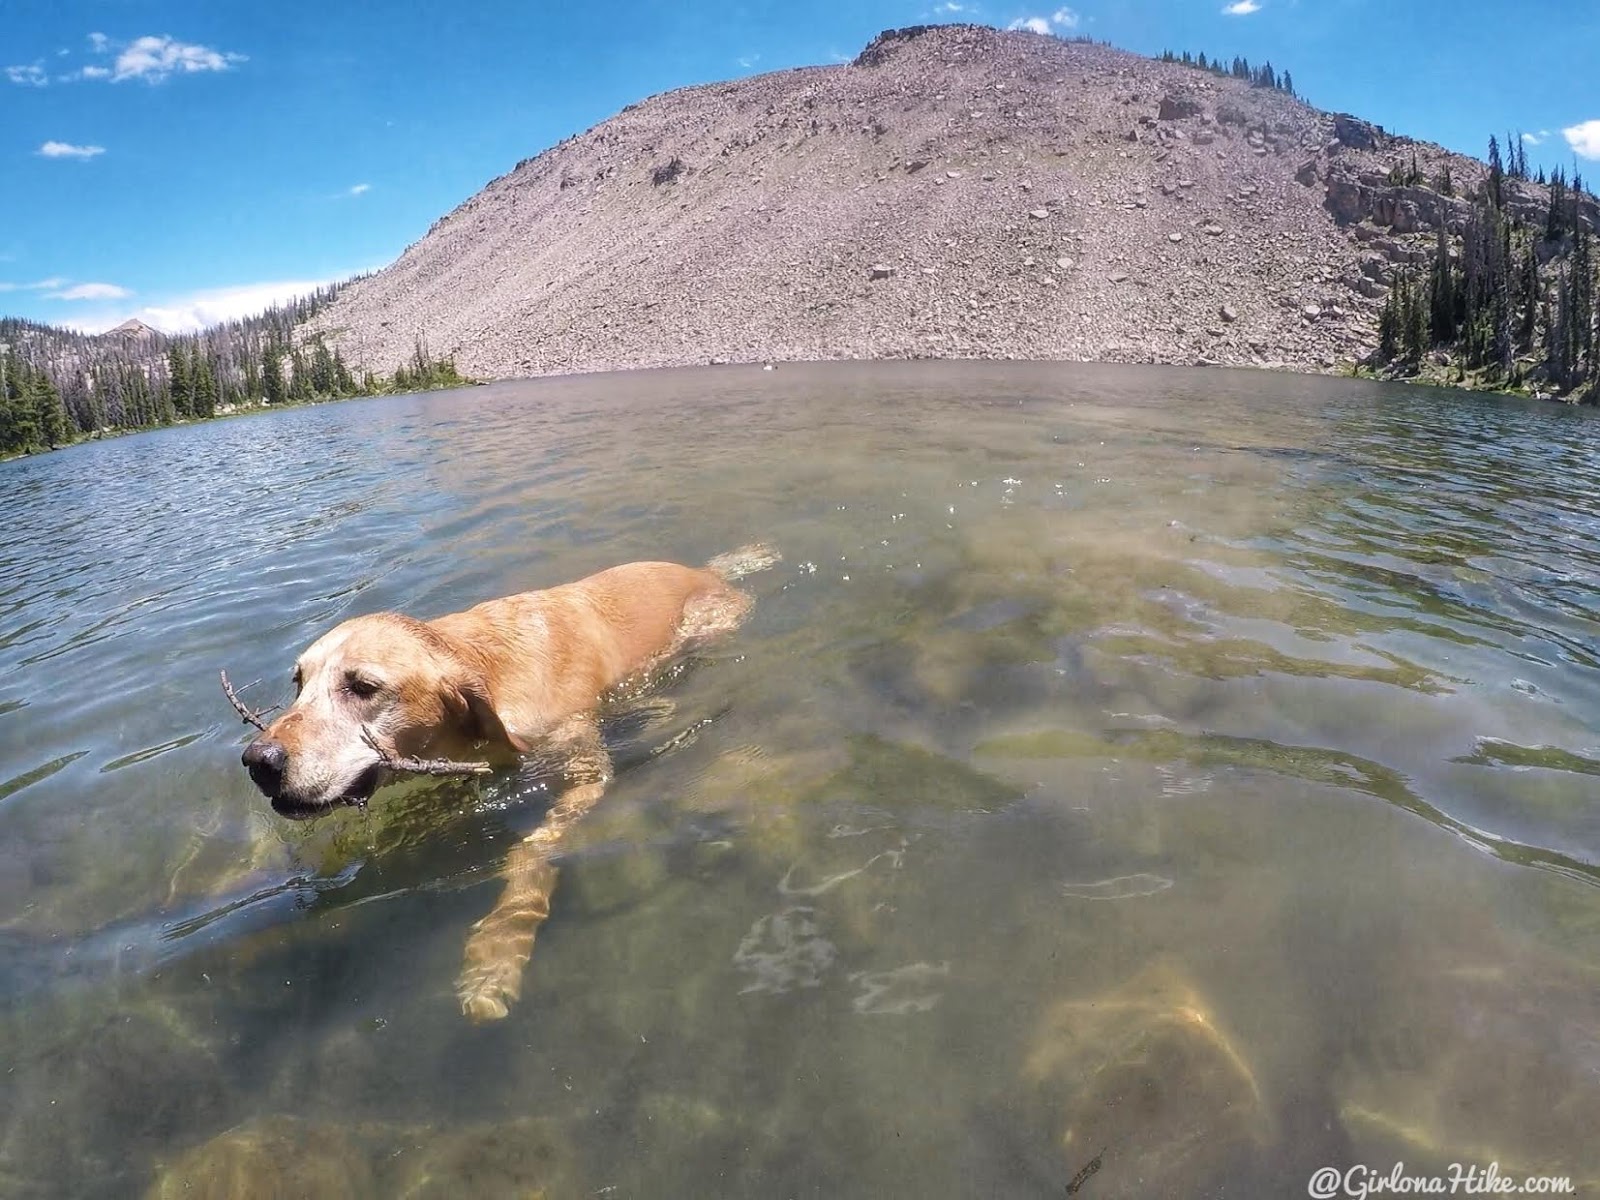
[1187,778]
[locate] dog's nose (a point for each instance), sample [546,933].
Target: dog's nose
[265,760]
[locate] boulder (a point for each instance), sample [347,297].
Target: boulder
[1500,1064]
[1176,108]
[281,1156]
[1346,200]
[1356,133]
[268,1158]
[1146,1080]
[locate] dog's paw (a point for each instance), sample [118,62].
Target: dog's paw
[487,992]
[484,1007]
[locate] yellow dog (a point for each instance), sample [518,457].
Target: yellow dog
[379,692]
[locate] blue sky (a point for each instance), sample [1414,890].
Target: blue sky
[194,159]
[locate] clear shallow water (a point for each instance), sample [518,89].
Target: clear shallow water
[1193,767]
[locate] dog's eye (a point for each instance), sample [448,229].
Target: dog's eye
[361,686]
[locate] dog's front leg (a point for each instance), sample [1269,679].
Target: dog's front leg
[502,942]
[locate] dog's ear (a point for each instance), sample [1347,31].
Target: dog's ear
[484,723]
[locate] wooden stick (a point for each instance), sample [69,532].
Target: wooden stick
[423,766]
[418,766]
[250,716]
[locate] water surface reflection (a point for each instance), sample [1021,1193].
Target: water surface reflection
[1189,770]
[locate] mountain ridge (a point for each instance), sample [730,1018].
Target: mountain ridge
[954,191]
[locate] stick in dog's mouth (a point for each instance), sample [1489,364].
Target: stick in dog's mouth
[391,761]
[250,716]
[422,766]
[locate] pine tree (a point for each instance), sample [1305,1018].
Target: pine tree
[299,377]
[276,391]
[49,415]
[1442,292]
[94,419]
[179,383]
[162,411]
[204,379]
[1582,334]
[142,390]
[344,384]
[1529,288]
[1555,224]
[1485,280]
[18,425]
[324,379]
[249,384]
[1559,349]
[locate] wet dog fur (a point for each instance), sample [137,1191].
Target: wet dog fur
[490,683]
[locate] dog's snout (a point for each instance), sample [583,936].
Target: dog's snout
[265,760]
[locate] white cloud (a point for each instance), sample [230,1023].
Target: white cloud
[38,285]
[1241,8]
[91,291]
[950,6]
[198,310]
[1062,18]
[1584,138]
[748,61]
[154,59]
[68,150]
[28,75]
[359,189]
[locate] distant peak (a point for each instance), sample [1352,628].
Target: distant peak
[134,328]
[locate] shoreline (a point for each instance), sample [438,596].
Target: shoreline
[1351,371]
[247,410]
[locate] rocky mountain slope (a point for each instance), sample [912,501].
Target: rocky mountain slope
[956,191]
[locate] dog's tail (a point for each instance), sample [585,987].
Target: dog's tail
[746,560]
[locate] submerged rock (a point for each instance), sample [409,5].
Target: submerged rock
[1492,1058]
[1148,1084]
[103,1097]
[271,1157]
[524,1158]
[295,1158]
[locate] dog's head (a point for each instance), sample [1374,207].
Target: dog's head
[375,686]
